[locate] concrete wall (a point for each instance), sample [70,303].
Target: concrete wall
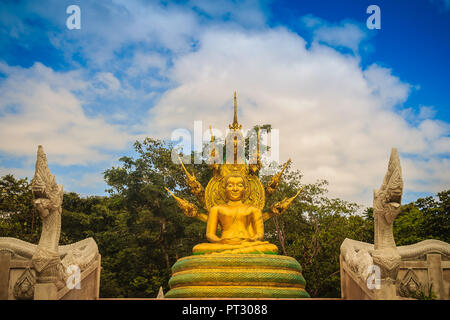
[432,269]
[12,269]
[352,287]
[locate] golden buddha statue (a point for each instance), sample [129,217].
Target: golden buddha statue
[234,199]
[241,224]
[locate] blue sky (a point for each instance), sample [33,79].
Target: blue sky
[341,95]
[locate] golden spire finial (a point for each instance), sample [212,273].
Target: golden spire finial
[235,109]
[210,130]
[257,147]
[213,152]
[235,126]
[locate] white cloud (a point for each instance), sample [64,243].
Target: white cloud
[337,121]
[432,175]
[106,82]
[17,172]
[345,34]
[110,26]
[388,89]
[426,112]
[38,107]
[142,62]
[247,13]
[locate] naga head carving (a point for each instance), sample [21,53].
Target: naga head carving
[47,193]
[389,196]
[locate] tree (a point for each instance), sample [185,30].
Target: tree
[313,229]
[156,232]
[426,218]
[17,214]
[141,232]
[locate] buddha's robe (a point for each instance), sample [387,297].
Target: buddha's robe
[242,231]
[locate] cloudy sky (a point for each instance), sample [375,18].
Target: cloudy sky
[340,94]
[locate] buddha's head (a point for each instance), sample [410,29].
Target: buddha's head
[235,187]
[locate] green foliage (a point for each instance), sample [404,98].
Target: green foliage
[17,214]
[312,231]
[426,218]
[141,232]
[153,232]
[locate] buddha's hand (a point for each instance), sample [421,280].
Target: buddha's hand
[231,241]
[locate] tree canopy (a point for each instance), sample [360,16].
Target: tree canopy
[141,232]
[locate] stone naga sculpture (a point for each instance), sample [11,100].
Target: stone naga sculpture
[48,197]
[386,206]
[48,259]
[361,257]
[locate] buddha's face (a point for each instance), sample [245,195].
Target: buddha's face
[235,188]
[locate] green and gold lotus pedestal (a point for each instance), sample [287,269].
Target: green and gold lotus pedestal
[237,276]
